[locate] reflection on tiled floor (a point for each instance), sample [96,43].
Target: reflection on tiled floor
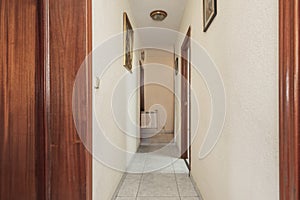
[157,176]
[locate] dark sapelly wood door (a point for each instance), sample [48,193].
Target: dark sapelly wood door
[43,44]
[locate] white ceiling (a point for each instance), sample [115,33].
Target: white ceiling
[141,10]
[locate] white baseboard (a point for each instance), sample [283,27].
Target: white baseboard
[118,187]
[196,187]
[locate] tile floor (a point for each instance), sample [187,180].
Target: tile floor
[160,138]
[156,174]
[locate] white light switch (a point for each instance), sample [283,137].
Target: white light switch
[97,83]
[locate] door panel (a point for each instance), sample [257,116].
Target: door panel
[69,165]
[43,44]
[20,171]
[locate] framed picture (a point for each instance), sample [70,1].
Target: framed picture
[142,55]
[209,13]
[128,42]
[176,65]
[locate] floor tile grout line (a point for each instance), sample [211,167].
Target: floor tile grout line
[142,176]
[117,191]
[140,182]
[177,184]
[144,165]
[172,171]
[194,187]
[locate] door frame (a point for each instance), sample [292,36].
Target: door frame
[186,144]
[89,157]
[289,89]
[142,93]
[142,87]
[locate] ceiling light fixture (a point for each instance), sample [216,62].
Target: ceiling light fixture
[158,15]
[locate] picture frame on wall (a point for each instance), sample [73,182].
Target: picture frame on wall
[127,42]
[176,65]
[142,55]
[209,13]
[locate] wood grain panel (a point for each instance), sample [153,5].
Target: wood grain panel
[43,44]
[18,102]
[289,13]
[69,166]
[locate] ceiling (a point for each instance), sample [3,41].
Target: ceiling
[141,10]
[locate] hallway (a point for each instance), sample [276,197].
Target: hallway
[99,99]
[162,176]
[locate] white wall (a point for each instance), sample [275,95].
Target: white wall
[243,42]
[158,67]
[107,22]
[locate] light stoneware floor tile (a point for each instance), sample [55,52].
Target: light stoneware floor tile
[158,185]
[158,198]
[190,198]
[168,179]
[167,170]
[155,163]
[158,168]
[185,186]
[130,186]
[180,167]
[137,164]
[125,198]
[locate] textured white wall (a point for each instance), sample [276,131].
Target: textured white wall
[107,22]
[243,42]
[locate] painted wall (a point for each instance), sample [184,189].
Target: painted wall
[243,42]
[107,22]
[159,67]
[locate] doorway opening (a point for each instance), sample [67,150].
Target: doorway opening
[157,98]
[159,116]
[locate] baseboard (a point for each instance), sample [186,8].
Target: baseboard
[122,178]
[196,187]
[119,187]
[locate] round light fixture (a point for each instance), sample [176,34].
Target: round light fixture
[158,15]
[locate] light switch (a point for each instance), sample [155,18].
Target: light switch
[97,83]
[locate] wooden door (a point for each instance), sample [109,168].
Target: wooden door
[185,101]
[21,101]
[68,163]
[43,44]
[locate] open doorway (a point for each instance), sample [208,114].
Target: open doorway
[157,98]
[160,141]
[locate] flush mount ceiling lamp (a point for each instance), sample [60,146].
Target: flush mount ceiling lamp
[158,15]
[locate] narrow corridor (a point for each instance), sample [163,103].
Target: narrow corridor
[155,173]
